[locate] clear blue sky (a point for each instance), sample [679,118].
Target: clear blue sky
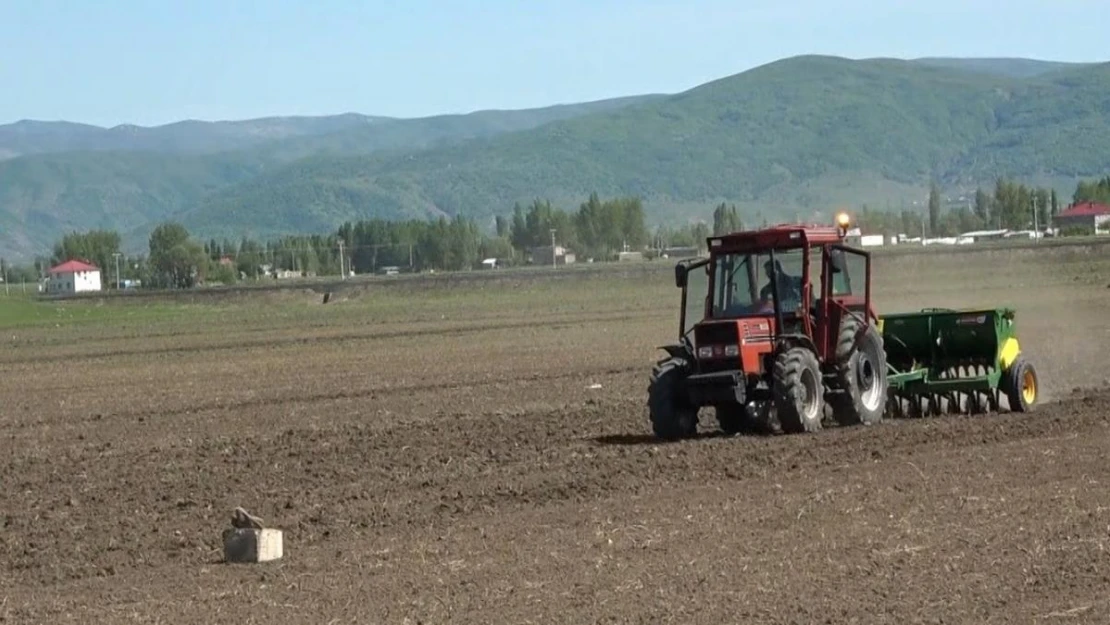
[150,62]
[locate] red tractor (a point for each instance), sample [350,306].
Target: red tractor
[783,328]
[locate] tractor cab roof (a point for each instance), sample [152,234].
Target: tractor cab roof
[778,237]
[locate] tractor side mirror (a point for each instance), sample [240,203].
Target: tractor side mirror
[680,271]
[836,261]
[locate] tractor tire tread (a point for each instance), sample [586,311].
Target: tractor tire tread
[672,418]
[789,366]
[847,402]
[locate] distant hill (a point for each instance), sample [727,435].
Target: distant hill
[287,137]
[1009,67]
[186,137]
[43,196]
[424,132]
[788,138]
[75,177]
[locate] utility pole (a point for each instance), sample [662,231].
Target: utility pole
[342,269]
[553,248]
[117,255]
[1036,228]
[4,275]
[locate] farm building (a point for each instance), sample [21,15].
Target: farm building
[1086,215]
[982,236]
[73,276]
[542,255]
[681,252]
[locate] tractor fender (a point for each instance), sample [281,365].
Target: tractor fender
[786,341]
[677,350]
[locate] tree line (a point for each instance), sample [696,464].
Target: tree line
[598,229]
[1010,205]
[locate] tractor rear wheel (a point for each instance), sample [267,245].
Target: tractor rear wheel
[797,390]
[1020,384]
[860,375]
[672,416]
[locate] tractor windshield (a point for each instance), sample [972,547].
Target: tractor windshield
[742,283]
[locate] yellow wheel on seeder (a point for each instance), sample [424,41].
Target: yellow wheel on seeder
[1020,385]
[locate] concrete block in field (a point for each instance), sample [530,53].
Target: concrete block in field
[243,544]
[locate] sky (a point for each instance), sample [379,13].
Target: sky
[152,62]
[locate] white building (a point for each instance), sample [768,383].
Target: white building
[73,276]
[542,255]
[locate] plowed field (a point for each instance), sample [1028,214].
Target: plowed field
[480,455]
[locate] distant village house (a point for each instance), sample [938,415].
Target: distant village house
[72,277]
[543,255]
[1085,215]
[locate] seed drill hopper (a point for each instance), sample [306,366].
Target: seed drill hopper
[956,361]
[778,333]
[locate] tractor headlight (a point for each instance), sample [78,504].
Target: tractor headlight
[718,351]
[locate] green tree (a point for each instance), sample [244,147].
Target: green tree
[19,274]
[1043,199]
[934,209]
[1093,191]
[176,260]
[982,206]
[701,235]
[497,247]
[726,220]
[95,246]
[533,228]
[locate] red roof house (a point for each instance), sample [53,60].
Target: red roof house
[1086,209]
[73,276]
[73,266]
[1090,215]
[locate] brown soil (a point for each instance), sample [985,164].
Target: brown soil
[464,471]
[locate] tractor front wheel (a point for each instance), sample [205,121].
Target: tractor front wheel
[672,416]
[798,392]
[1020,384]
[860,375]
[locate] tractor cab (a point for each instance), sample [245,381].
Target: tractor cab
[761,294]
[759,285]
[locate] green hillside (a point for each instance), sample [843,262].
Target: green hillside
[1010,67]
[789,137]
[126,178]
[185,137]
[1055,127]
[425,132]
[287,138]
[44,196]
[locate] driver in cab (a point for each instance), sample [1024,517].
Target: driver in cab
[789,286]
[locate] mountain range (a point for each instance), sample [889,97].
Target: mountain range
[795,136]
